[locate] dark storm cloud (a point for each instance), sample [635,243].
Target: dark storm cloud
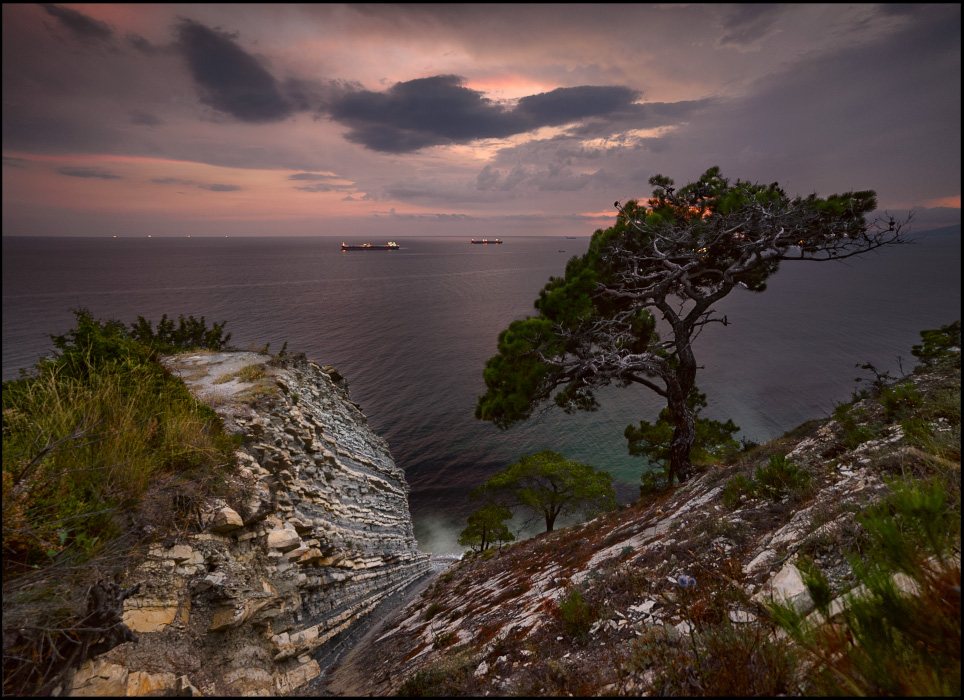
[180,181]
[139,43]
[80,25]
[565,105]
[89,172]
[557,177]
[229,79]
[419,113]
[439,110]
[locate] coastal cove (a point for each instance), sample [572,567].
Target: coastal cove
[411,330]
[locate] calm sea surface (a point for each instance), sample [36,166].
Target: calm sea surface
[412,329]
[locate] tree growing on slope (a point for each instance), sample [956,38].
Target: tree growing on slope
[487,527]
[677,256]
[549,485]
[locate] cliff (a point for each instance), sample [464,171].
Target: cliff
[671,596]
[247,599]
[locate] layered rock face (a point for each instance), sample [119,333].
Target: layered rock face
[321,535]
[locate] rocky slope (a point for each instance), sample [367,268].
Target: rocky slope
[635,601]
[247,599]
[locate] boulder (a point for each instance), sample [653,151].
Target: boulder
[226,520]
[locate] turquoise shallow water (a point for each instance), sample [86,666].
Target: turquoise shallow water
[411,329]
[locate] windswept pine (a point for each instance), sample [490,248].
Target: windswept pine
[675,256]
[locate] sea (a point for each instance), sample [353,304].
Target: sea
[411,330]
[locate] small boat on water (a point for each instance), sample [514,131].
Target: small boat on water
[391,245]
[486,241]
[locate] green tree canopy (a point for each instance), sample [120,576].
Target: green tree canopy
[487,527]
[937,342]
[675,256]
[713,441]
[549,485]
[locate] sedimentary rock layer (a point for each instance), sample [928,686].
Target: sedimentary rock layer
[319,536]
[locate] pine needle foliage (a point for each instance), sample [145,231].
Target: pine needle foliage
[900,631]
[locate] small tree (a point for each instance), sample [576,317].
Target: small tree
[487,527]
[714,440]
[676,256]
[937,343]
[550,485]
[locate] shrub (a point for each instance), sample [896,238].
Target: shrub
[577,615]
[937,343]
[716,658]
[713,442]
[78,452]
[855,434]
[900,400]
[189,334]
[652,481]
[778,478]
[736,488]
[100,445]
[452,676]
[781,477]
[888,641]
[917,432]
[432,610]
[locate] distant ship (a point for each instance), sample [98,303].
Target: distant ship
[486,241]
[391,245]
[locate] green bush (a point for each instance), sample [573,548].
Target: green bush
[781,477]
[577,615]
[778,478]
[101,444]
[855,433]
[736,488]
[917,432]
[900,401]
[189,334]
[890,641]
[432,610]
[713,442]
[449,677]
[937,343]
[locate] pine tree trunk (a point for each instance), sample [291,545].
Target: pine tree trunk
[684,434]
[678,389]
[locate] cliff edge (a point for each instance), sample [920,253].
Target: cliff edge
[248,598]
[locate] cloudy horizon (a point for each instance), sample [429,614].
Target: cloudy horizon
[393,120]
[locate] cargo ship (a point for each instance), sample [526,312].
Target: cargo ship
[486,241]
[391,245]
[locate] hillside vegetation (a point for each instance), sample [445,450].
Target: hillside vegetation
[825,562]
[102,450]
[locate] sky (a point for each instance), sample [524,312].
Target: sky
[383,121]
